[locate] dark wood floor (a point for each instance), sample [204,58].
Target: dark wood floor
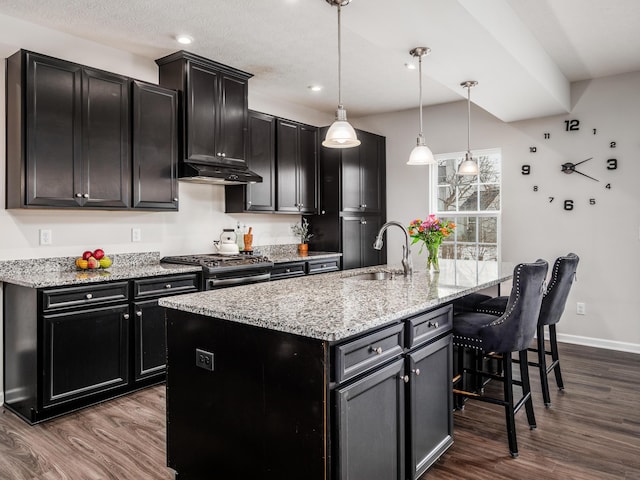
[592,431]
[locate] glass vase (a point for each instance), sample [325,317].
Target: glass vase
[432,259]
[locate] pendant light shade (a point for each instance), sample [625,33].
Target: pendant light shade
[340,134]
[421,154]
[469,166]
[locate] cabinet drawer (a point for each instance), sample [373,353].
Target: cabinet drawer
[425,327]
[324,265]
[287,270]
[163,286]
[79,296]
[366,353]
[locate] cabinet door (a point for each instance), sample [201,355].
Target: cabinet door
[233,118]
[155,147]
[86,352]
[430,421]
[307,169]
[351,242]
[53,136]
[202,99]
[370,426]
[371,256]
[106,161]
[261,157]
[287,166]
[351,193]
[371,152]
[150,339]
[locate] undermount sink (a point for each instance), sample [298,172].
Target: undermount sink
[374,276]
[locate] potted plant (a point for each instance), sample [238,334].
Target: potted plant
[301,230]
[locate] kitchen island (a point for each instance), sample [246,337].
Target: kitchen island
[320,377]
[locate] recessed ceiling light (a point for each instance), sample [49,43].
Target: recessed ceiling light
[315,88]
[184,39]
[410,66]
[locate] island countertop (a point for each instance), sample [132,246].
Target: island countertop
[337,305]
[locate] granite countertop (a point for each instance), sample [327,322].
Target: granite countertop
[61,271]
[337,305]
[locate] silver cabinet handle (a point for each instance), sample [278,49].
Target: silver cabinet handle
[175,199]
[416,371]
[405,378]
[79,195]
[88,296]
[139,313]
[86,195]
[433,324]
[323,212]
[168,285]
[125,316]
[287,270]
[324,265]
[363,222]
[224,154]
[376,350]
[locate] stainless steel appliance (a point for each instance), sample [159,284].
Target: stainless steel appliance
[227,270]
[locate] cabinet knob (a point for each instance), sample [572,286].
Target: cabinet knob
[125,316]
[248,202]
[224,154]
[363,222]
[416,371]
[433,324]
[376,350]
[168,285]
[324,265]
[302,204]
[139,313]
[287,270]
[86,195]
[88,296]
[175,199]
[79,195]
[405,378]
[323,212]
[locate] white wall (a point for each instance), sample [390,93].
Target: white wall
[605,236]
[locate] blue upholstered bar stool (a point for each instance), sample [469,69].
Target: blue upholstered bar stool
[553,303]
[500,337]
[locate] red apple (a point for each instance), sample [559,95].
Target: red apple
[98,254]
[87,254]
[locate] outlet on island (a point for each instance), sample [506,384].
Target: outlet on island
[204,359]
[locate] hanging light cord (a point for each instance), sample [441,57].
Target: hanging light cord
[339,59]
[420,81]
[469,119]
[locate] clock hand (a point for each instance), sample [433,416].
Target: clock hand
[576,164]
[585,175]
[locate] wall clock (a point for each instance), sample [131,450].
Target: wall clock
[582,158]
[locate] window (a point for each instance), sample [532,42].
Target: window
[472,202]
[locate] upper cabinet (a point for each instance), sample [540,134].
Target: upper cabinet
[296,166]
[214,110]
[69,138]
[155,147]
[67,135]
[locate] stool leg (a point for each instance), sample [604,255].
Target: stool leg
[555,356]
[458,400]
[526,388]
[508,407]
[542,366]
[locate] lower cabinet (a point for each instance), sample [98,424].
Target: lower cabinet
[69,347]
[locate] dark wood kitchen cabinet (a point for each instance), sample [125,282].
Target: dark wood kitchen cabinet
[67,135]
[296,167]
[261,158]
[352,204]
[214,111]
[155,147]
[69,347]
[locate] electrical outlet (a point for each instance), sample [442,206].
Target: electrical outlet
[204,359]
[581,308]
[136,235]
[45,237]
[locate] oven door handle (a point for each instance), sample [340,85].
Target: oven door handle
[225,282]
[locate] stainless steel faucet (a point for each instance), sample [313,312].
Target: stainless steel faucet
[406,252]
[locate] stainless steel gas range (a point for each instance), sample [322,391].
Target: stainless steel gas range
[227,270]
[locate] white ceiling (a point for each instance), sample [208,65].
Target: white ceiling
[523,53]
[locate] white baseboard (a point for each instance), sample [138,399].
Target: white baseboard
[599,343]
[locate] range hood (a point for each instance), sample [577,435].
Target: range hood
[217,174]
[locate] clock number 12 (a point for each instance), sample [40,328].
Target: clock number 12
[571,125]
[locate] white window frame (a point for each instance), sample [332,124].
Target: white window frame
[433,197]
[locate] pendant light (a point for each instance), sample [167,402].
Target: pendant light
[469,166]
[340,134]
[421,154]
